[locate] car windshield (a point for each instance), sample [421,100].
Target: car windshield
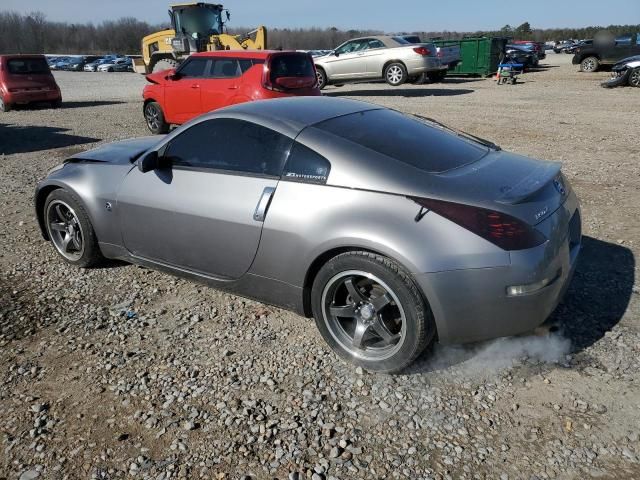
[420,143]
[28,66]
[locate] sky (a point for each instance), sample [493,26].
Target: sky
[405,15]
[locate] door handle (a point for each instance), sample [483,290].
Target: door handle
[235,87]
[263,204]
[195,86]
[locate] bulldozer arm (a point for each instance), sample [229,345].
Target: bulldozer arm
[253,40]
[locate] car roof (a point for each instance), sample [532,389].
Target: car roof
[388,40]
[20,55]
[293,114]
[243,53]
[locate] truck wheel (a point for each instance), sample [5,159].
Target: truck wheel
[589,64]
[634,77]
[164,64]
[395,74]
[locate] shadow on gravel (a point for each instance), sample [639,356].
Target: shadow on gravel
[599,294]
[595,302]
[96,103]
[402,92]
[23,139]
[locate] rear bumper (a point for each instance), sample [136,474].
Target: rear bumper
[473,305]
[419,65]
[29,97]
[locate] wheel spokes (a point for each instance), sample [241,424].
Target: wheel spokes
[67,242]
[354,291]
[380,302]
[343,311]
[58,226]
[387,338]
[358,334]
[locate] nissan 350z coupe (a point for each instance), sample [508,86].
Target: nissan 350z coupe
[392,231]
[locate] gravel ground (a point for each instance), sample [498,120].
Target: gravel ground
[125,372]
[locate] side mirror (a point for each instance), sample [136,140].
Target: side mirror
[335,53]
[150,161]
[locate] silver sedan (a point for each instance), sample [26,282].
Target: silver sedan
[392,231]
[380,57]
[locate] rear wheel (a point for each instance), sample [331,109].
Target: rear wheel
[4,107]
[322,78]
[56,103]
[70,229]
[395,74]
[155,118]
[370,312]
[589,64]
[634,77]
[164,64]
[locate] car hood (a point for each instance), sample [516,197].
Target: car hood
[630,62]
[124,151]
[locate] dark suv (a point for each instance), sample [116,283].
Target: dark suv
[592,57]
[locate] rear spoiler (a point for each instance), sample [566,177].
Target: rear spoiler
[530,185]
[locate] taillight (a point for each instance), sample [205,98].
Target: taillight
[501,229]
[422,51]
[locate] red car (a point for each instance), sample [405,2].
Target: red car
[211,80]
[26,79]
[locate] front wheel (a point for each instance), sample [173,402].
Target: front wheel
[322,78]
[370,312]
[154,117]
[589,64]
[395,74]
[70,229]
[634,77]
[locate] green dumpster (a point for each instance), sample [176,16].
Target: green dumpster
[479,56]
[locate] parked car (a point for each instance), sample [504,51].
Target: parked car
[77,64]
[520,54]
[93,66]
[571,49]
[449,55]
[561,46]
[211,80]
[380,57]
[26,79]
[117,65]
[337,209]
[625,72]
[592,57]
[61,63]
[537,47]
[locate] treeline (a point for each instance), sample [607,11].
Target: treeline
[33,33]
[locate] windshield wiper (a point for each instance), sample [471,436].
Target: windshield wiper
[460,133]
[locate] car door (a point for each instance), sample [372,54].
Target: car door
[204,210]
[220,84]
[348,62]
[182,91]
[375,56]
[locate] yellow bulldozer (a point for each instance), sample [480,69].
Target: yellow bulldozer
[196,27]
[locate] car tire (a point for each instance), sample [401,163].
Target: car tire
[436,77]
[4,107]
[322,78]
[634,77]
[395,74]
[374,293]
[589,65]
[70,230]
[154,116]
[110,70]
[56,103]
[164,64]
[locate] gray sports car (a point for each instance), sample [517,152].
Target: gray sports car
[392,231]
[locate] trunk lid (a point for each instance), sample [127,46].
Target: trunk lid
[528,189]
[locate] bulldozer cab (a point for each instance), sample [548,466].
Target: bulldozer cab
[194,23]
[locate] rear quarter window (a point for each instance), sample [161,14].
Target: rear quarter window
[406,139]
[305,165]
